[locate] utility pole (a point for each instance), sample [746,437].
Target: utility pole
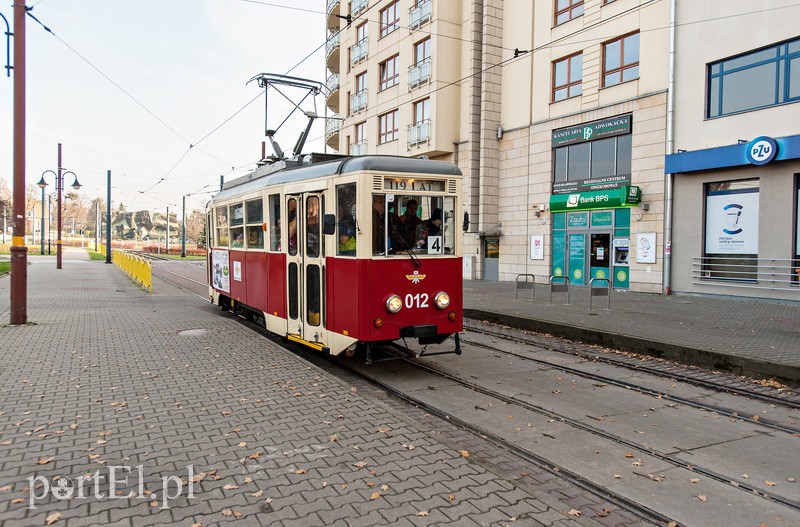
[183,229]
[108,219]
[59,185]
[19,252]
[97,226]
[167,245]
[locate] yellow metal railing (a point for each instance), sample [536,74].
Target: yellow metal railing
[139,269]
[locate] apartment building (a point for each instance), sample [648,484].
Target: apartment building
[588,131]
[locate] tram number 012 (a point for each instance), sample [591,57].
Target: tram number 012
[419,300]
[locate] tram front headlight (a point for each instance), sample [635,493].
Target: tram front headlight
[442,300]
[394,304]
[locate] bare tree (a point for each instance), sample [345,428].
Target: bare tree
[195,227]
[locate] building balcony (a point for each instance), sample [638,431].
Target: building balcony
[358,101]
[419,73]
[359,148]
[357,7]
[420,14]
[333,92]
[332,46]
[419,133]
[359,52]
[333,9]
[333,125]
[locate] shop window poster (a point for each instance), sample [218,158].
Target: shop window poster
[732,222]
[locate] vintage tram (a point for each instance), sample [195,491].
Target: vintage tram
[340,252]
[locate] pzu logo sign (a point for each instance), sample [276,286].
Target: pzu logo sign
[761,150]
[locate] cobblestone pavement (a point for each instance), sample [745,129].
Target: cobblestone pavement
[105,377]
[743,336]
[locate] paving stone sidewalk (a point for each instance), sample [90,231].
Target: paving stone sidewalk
[106,377]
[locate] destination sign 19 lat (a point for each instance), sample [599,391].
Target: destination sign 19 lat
[411,184]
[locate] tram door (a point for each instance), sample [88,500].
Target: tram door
[304,265]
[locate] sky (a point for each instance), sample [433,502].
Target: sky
[178,70]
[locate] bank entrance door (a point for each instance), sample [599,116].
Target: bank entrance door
[600,256]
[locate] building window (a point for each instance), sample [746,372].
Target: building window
[420,131]
[422,111]
[387,127]
[360,49]
[621,60]
[568,77]
[358,101]
[767,77]
[422,51]
[390,19]
[390,72]
[359,146]
[419,13]
[731,237]
[566,10]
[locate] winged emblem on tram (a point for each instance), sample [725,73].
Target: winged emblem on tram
[416,277]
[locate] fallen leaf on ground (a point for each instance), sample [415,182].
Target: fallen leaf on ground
[17,500]
[770,483]
[575,512]
[702,498]
[694,480]
[45,460]
[334,438]
[53,518]
[384,430]
[230,486]
[628,454]
[257,494]
[422,513]
[300,471]
[375,495]
[360,464]
[464,453]
[248,479]
[243,444]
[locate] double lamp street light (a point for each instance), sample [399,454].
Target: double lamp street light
[59,177]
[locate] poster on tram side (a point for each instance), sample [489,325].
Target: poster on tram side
[220,270]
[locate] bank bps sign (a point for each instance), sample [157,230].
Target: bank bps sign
[624,196]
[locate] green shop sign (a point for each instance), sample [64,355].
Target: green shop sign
[589,132]
[624,196]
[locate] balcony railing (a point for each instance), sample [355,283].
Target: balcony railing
[419,14]
[358,52]
[332,4]
[419,133]
[419,73]
[331,44]
[332,126]
[332,82]
[358,148]
[357,6]
[747,272]
[358,101]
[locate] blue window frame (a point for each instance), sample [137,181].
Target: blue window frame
[758,79]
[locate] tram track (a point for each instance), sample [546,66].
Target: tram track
[786,397]
[734,414]
[575,423]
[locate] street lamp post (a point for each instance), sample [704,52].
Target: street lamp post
[42,184]
[76,186]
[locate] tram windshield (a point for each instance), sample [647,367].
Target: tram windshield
[415,224]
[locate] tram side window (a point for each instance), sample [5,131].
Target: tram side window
[222,226]
[292,212]
[236,215]
[254,212]
[346,219]
[275,222]
[312,226]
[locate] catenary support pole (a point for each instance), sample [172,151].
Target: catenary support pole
[108,218]
[183,229]
[19,252]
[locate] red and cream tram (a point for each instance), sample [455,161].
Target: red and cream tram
[335,252]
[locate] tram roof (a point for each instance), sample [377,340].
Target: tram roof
[293,171]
